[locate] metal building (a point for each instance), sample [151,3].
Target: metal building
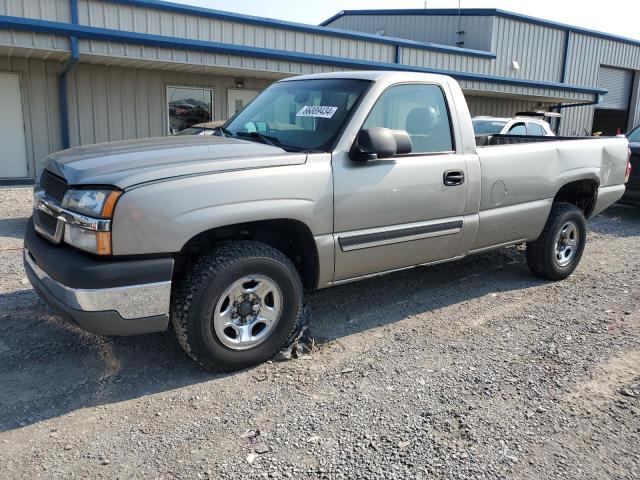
[75,72]
[526,48]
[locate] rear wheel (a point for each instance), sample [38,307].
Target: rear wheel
[557,252]
[237,306]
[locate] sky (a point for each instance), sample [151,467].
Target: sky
[619,17]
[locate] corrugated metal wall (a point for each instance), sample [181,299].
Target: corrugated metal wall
[116,99]
[537,49]
[437,29]
[10,39]
[110,52]
[586,55]
[500,107]
[143,20]
[577,121]
[55,10]
[427,58]
[484,67]
[38,80]
[117,103]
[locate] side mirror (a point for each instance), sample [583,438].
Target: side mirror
[376,143]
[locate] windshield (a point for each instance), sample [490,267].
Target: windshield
[634,135]
[299,115]
[488,127]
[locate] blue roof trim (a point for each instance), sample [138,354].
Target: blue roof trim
[485,12]
[488,12]
[338,15]
[300,27]
[62,78]
[83,31]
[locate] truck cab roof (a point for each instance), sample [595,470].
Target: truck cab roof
[375,75]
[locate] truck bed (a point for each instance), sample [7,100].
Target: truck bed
[505,139]
[520,176]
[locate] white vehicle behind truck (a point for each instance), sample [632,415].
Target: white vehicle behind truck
[518,125]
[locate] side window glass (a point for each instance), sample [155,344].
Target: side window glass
[536,129]
[634,136]
[421,110]
[518,129]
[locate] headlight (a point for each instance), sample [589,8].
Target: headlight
[95,203]
[91,229]
[88,240]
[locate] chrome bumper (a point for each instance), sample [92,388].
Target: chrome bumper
[130,302]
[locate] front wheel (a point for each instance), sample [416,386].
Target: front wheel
[557,252]
[237,306]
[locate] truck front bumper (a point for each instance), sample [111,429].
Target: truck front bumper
[106,297]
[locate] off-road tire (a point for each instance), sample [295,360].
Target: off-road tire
[541,253]
[196,293]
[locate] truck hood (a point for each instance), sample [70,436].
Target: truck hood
[128,163]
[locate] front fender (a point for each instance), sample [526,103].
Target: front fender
[162,217]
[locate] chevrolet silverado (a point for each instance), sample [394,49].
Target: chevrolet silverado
[321,180]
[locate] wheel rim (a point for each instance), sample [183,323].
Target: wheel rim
[247,312]
[566,244]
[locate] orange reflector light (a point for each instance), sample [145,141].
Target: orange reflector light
[110,204]
[103,243]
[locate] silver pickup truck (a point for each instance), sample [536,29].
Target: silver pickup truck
[321,180]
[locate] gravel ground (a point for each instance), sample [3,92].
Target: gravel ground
[473,369]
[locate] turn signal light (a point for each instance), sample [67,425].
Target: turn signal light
[103,243]
[88,240]
[627,174]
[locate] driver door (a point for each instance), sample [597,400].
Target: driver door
[400,212]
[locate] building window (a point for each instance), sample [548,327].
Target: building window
[187,106]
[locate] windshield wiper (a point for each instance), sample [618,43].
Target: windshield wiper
[273,141]
[224,131]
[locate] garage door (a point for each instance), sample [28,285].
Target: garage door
[618,82]
[13,161]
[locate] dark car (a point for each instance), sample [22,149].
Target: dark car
[632,193]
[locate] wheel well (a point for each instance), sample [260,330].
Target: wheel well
[291,237]
[581,193]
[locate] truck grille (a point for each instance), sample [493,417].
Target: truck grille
[47,222]
[53,185]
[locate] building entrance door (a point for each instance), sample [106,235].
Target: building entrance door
[13,161]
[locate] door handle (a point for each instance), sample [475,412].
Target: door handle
[453,177]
